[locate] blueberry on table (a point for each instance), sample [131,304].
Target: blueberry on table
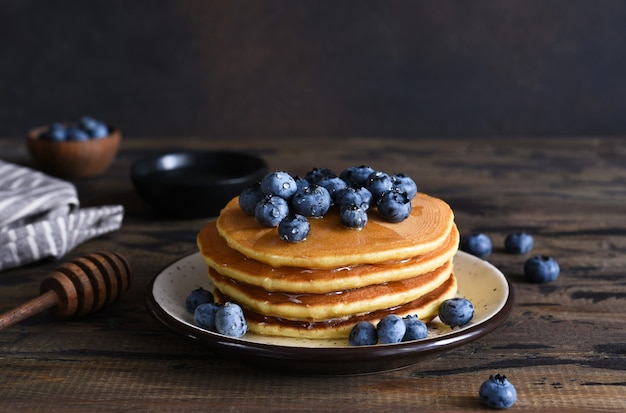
[363,334]
[394,206]
[416,329]
[518,243]
[279,183]
[353,216]
[311,201]
[456,312]
[271,210]
[294,228]
[390,329]
[197,297]
[250,197]
[541,269]
[477,244]
[230,321]
[356,176]
[204,315]
[497,392]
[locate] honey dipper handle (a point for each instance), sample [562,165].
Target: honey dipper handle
[36,305]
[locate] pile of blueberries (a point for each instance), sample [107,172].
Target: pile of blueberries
[537,269]
[227,319]
[454,312]
[280,200]
[85,129]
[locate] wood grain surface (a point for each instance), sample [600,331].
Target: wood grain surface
[563,347]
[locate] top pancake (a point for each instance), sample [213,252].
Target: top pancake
[330,245]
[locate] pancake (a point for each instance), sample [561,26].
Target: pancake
[317,307]
[330,245]
[231,263]
[424,307]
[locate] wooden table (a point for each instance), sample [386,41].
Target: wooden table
[563,347]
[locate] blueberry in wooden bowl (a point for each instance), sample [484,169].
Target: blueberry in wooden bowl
[78,149]
[195,184]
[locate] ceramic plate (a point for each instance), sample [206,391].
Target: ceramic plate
[479,281]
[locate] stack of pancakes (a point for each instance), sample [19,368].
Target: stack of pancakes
[323,286]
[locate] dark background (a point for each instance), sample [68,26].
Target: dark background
[294,68]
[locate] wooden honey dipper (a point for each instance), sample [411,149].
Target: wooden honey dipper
[77,287]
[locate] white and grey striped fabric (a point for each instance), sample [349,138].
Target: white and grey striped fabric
[40,217]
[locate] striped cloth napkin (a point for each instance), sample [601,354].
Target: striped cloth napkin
[40,217]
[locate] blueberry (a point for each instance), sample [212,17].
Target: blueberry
[363,334]
[404,183]
[74,133]
[350,196]
[366,197]
[204,315]
[279,183]
[100,130]
[250,197]
[271,210]
[230,321]
[497,392]
[353,216]
[316,175]
[456,312]
[334,185]
[311,201]
[415,328]
[378,183]
[518,243]
[394,206]
[294,228]
[197,297]
[541,269]
[87,123]
[301,182]
[56,132]
[356,176]
[391,329]
[477,244]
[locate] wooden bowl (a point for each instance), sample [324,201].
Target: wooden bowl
[73,159]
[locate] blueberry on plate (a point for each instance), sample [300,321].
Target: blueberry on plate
[311,201]
[353,216]
[390,329]
[250,197]
[294,228]
[204,315]
[271,210]
[230,321]
[518,243]
[197,297]
[363,334]
[394,206]
[456,312]
[279,183]
[416,329]
[541,269]
[497,392]
[477,244]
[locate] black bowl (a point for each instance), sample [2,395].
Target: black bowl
[195,184]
